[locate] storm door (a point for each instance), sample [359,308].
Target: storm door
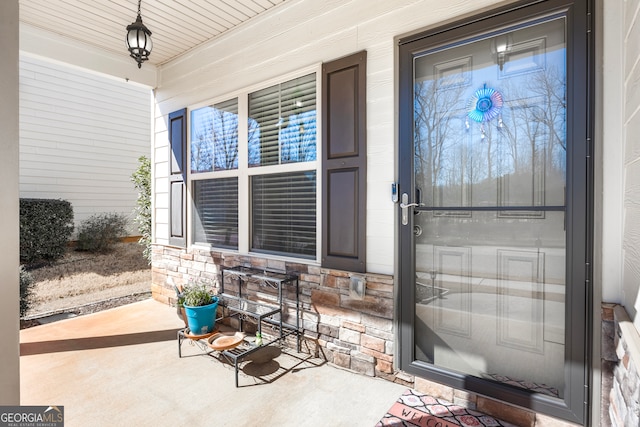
[493,209]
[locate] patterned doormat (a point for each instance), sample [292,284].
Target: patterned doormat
[416,409]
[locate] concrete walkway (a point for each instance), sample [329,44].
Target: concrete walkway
[120,367]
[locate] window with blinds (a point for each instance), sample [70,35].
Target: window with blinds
[284,214]
[214,137]
[216,212]
[282,123]
[270,193]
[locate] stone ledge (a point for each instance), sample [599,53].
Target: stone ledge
[630,333]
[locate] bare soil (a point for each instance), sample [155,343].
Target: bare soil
[83,282]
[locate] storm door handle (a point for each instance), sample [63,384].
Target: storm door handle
[405,205]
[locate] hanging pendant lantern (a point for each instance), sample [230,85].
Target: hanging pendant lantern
[138,40]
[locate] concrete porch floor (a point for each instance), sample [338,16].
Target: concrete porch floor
[120,367]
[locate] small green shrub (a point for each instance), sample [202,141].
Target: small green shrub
[46,226]
[100,232]
[26,291]
[197,295]
[142,181]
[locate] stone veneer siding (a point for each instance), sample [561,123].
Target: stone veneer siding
[622,361]
[351,333]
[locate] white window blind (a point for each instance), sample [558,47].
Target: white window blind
[282,123]
[216,212]
[284,213]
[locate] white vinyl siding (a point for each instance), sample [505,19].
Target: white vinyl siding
[629,76]
[81,135]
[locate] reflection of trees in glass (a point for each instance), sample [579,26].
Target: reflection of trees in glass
[298,138]
[254,142]
[452,152]
[225,136]
[214,137]
[523,139]
[438,136]
[282,124]
[535,126]
[202,140]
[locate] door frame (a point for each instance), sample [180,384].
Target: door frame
[579,202]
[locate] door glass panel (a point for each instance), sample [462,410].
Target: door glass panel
[490,244]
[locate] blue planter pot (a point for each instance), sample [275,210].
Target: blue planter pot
[201,320]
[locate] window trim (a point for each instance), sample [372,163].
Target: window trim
[244,172]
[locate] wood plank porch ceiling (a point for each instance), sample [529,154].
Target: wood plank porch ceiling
[176,25]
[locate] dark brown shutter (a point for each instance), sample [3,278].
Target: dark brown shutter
[177,178]
[344,163]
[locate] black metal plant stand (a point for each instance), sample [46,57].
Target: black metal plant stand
[268,313]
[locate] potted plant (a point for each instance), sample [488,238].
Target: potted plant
[200,307]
